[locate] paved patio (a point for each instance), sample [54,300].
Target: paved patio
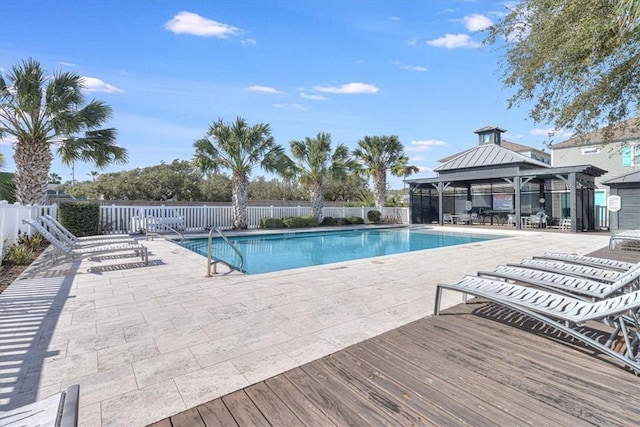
[145,343]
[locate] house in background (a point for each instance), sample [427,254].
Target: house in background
[619,154]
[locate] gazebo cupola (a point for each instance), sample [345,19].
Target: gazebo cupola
[489,135]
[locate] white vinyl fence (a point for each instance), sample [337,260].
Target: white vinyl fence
[11,225]
[131,219]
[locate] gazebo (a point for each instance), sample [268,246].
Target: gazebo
[493,182]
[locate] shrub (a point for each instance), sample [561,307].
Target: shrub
[33,243]
[374,216]
[328,220]
[355,220]
[20,255]
[271,223]
[342,221]
[81,218]
[300,221]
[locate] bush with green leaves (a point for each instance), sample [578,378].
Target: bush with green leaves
[374,216]
[33,242]
[300,221]
[342,221]
[328,221]
[20,255]
[271,223]
[81,218]
[355,220]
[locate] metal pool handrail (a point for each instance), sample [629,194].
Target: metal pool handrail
[159,222]
[210,253]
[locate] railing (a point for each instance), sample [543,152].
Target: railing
[11,225]
[211,261]
[153,227]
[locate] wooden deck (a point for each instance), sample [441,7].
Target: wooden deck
[476,364]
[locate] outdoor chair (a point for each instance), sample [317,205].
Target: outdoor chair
[626,239]
[576,286]
[565,313]
[92,251]
[79,242]
[588,260]
[59,410]
[569,269]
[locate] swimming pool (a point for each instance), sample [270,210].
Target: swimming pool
[284,251]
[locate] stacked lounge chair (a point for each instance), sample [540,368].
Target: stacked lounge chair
[562,301]
[66,236]
[70,251]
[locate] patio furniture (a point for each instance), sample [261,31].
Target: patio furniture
[628,239]
[565,313]
[570,269]
[73,252]
[68,237]
[566,284]
[588,260]
[59,410]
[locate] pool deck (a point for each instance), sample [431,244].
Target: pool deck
[148,342]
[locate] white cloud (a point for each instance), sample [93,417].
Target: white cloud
[295,107]
[8,140]
[349,88]
[66,64]
[550,132]
[477,22]
[313,97]
[453,41]
[424,145]
[264,89]
[248,42]
[196,25]
[93,84]
[409,67]
[395,18]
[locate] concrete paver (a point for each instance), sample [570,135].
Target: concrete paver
[148,342]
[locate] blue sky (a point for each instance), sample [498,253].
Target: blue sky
[415,69]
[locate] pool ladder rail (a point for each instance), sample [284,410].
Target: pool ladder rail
[211,261]
[157,222]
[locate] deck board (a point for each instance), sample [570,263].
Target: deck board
[476,364]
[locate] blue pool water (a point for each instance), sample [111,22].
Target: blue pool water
[284,251]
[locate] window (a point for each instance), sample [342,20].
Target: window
[631,155]
[486,138]
[590,150]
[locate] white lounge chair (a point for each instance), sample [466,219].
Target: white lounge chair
[629,237]
[588,260]
[72,252]
[80,242]
[570,285]
[565,313]
[59,410]
[569,269]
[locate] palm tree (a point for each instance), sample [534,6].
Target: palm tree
[39,111]
[93,175]
[377,155]
[239,148]
[7,187]
[54,178]
[314,162]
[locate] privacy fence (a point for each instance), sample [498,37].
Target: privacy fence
[132,219]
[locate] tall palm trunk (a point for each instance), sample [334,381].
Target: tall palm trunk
[239,196]
[33,162]
[317,201]
[380,188]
